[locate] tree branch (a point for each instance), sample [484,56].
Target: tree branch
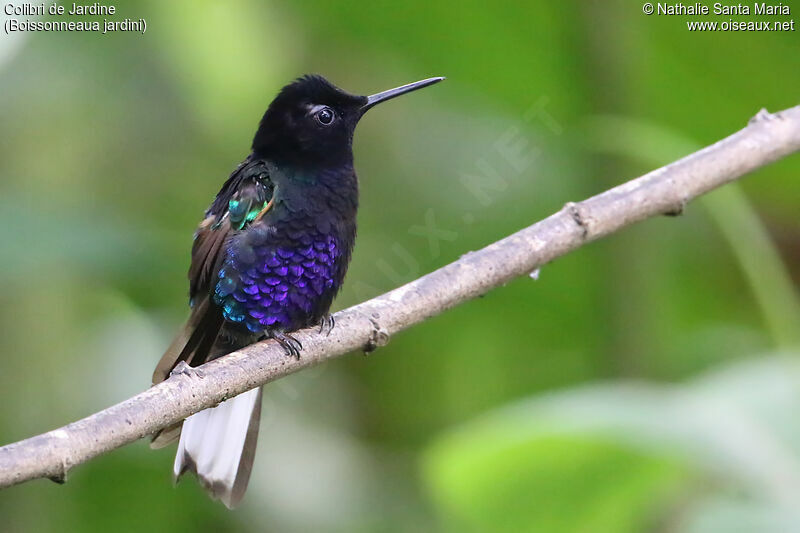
[370,324]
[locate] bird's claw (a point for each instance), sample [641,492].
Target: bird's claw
[328,322]
[290,345]
[183,368]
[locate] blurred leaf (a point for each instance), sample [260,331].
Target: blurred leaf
[729,209]
[735,515]
[736,425]
[494,480]
[749,241]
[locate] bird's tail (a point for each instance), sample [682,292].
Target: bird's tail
[219,445]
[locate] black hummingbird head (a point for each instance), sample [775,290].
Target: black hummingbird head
[312,121]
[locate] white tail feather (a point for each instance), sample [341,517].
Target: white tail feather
[212,442]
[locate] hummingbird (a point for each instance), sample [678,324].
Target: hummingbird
[268,259]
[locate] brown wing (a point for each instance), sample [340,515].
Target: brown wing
[208,242]
[242,199]
[197,336]
[245,197]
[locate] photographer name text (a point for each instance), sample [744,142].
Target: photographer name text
[719,8]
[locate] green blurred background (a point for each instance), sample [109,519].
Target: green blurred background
[645,383]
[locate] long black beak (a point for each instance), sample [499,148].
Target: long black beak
[376,99]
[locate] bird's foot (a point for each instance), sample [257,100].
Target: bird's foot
[289,344]
[183,368]
[326,322]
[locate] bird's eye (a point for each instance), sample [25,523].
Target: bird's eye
[325,116]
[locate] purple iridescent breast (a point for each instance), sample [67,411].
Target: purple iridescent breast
[266,286]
